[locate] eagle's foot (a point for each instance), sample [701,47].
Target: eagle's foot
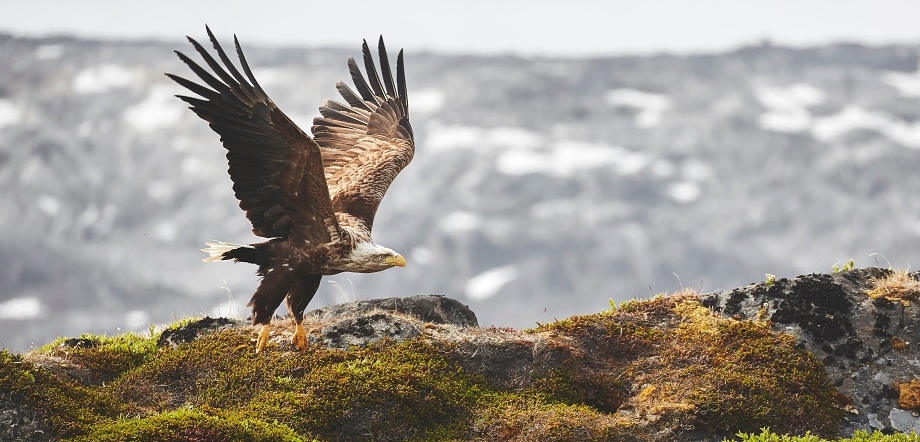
[300,338]
[263,338]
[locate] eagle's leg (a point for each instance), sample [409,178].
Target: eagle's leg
[263,338]
[275,284]
[302,292]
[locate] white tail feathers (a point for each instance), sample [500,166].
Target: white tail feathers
[216,250]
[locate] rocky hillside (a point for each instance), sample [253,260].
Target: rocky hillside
[540,188]
[829,354]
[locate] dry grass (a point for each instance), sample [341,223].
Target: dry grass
[898,286]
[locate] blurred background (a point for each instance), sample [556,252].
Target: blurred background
[567,152]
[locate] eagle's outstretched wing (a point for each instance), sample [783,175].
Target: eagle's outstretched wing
[276,168]
[367,142]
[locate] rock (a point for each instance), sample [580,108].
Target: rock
[870,347]
[367,329]
[18,422]
[436,309]
[79,343]
[189,332]
[364,322]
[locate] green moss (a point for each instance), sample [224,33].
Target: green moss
[511,417]
[602,390]
[757,378]
[636,371]
[404,389]
[190,425]
[766,435]
[66,407]
[107,356]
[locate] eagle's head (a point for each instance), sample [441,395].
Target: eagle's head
[369,257]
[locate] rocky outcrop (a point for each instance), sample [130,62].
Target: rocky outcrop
[362,323]
[436,309]
[870,347]
[813,353]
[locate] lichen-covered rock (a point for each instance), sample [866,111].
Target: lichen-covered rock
[870,346]
[365,330]
[191,330]
[436,309]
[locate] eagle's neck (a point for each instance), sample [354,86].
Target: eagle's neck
[356,236]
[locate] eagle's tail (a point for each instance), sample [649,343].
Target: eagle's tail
[220,250]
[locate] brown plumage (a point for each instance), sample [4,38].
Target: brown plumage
[314,198]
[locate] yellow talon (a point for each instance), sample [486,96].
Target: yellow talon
[263,338]
[300,338]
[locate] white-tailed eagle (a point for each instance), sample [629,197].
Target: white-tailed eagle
[314,198]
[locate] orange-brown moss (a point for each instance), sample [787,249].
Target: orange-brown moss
[898,344]
[909,395]
[683,362]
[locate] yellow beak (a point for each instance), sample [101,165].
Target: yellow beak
[397,261]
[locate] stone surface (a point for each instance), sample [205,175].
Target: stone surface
[436,309]
[189,332]
[869,346]
[367,329]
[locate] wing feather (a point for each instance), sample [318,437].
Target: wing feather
[385,68]
[276,168]
[351,97]
[360,83]
[367,142]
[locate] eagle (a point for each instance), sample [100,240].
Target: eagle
[312,198]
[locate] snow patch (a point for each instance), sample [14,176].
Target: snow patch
[191,165]
[787,107]
[28,307]
[487,284]
[460,222]
[694,169]
[908,85]
[797,96]
[103,78]
[793,120]
[166,231]
[569,157]
[9,113]
[48,204]
[157,111]
[421,255]
[853,118]
[684,192]
[426,100]
[445,138]
[651,106]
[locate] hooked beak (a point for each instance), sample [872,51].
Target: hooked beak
[397,261]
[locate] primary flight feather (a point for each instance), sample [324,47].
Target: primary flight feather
[313,198]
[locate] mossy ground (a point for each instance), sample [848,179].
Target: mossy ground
[860,436]
[647,370]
